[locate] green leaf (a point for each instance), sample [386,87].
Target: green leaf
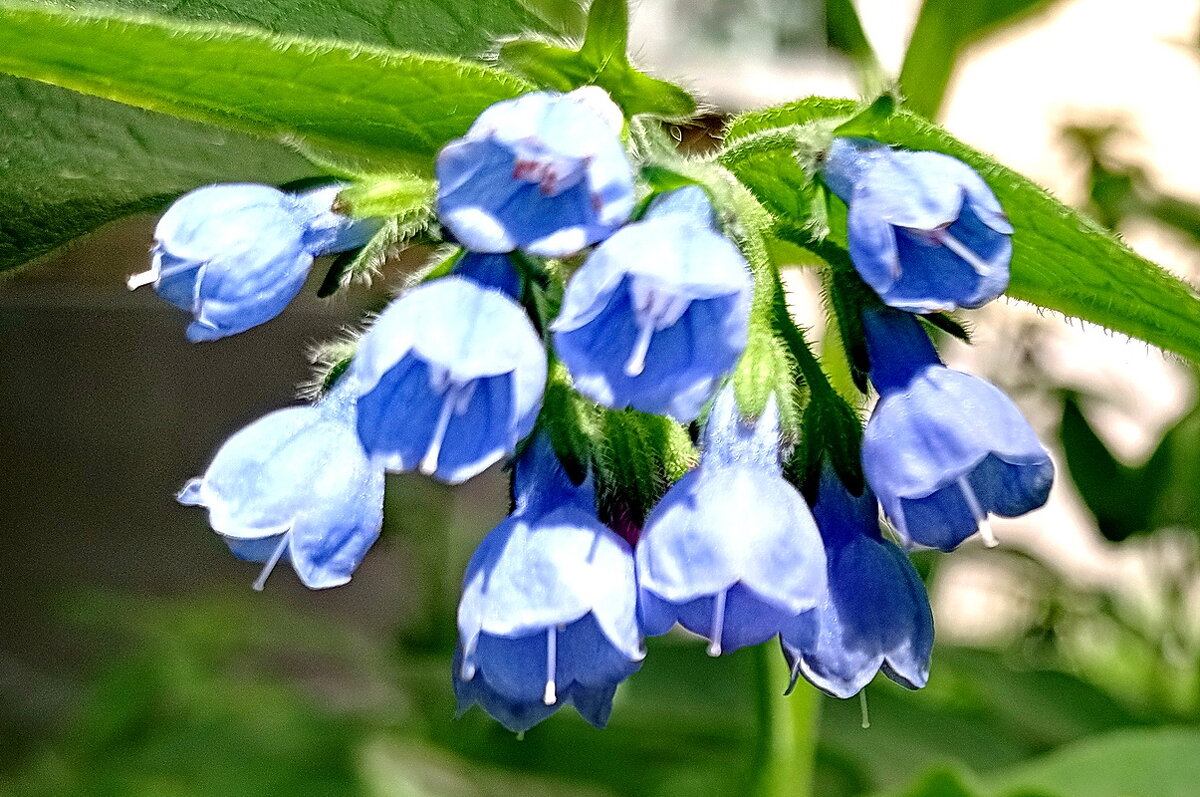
[1160,762]
[944,28]
[384,109]
[1111,491]
[844,32]
[1167,493]
[600,60]
[73,162]
[1061,259]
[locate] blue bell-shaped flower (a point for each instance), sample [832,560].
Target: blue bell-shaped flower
[875,614]
[545,173]
[235,255]
[548,613]
[658,314]
[943,449]
[926,232]
[296,486]
[450,378]
[731,552]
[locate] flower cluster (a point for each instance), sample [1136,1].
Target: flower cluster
[655,316]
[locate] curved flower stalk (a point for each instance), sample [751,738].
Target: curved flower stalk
[235,255]
[296,486]
[548,612]
[658,314]
[944,449]
[450,378]
[926,232]
[731,552]
[874,615]
[545,173]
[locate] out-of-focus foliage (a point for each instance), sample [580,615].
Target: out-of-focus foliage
[231,696]
[944,29]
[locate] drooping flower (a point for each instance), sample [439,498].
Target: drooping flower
[875,614]
[235,255]
[545,173]
[943,449]
[926,232]
[548,613]
[658,314]
[731,552]
[296,486]
[450,378]
[490,271]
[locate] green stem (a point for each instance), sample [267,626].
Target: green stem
[785,755]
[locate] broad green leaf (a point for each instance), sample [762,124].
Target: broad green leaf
[1160,762]
[378,108]
[1061,259]
[1175,465]
[844,32]
[73,162]
[944,28]
[1113,493]
[600,60]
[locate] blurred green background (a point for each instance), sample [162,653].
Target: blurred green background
[135,660]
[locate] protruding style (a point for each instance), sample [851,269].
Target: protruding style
[944,449]
[926,232]
[548,612]
[296,486]
[659,313]
[731,552]
[235,255]
[450,378]
[874,615]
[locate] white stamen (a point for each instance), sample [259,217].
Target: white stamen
[550,697]
[981,517]
[956,246]
[270,564]
[455,402]
[637,358]
[866,715]
[467,671]
[144,278]
[718,626]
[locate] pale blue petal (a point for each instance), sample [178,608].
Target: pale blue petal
[545,173]
[235,255]
[875,615]
[925,231]
[296,478]
[453,368]
[670,262]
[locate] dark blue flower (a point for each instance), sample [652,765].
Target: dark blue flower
[490,271]
[450,378]
[875,614]
[296,486]
[548,613]
[943,449]
[235,255]
[545,173]
[658,314]
[731,552]
[925,230]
